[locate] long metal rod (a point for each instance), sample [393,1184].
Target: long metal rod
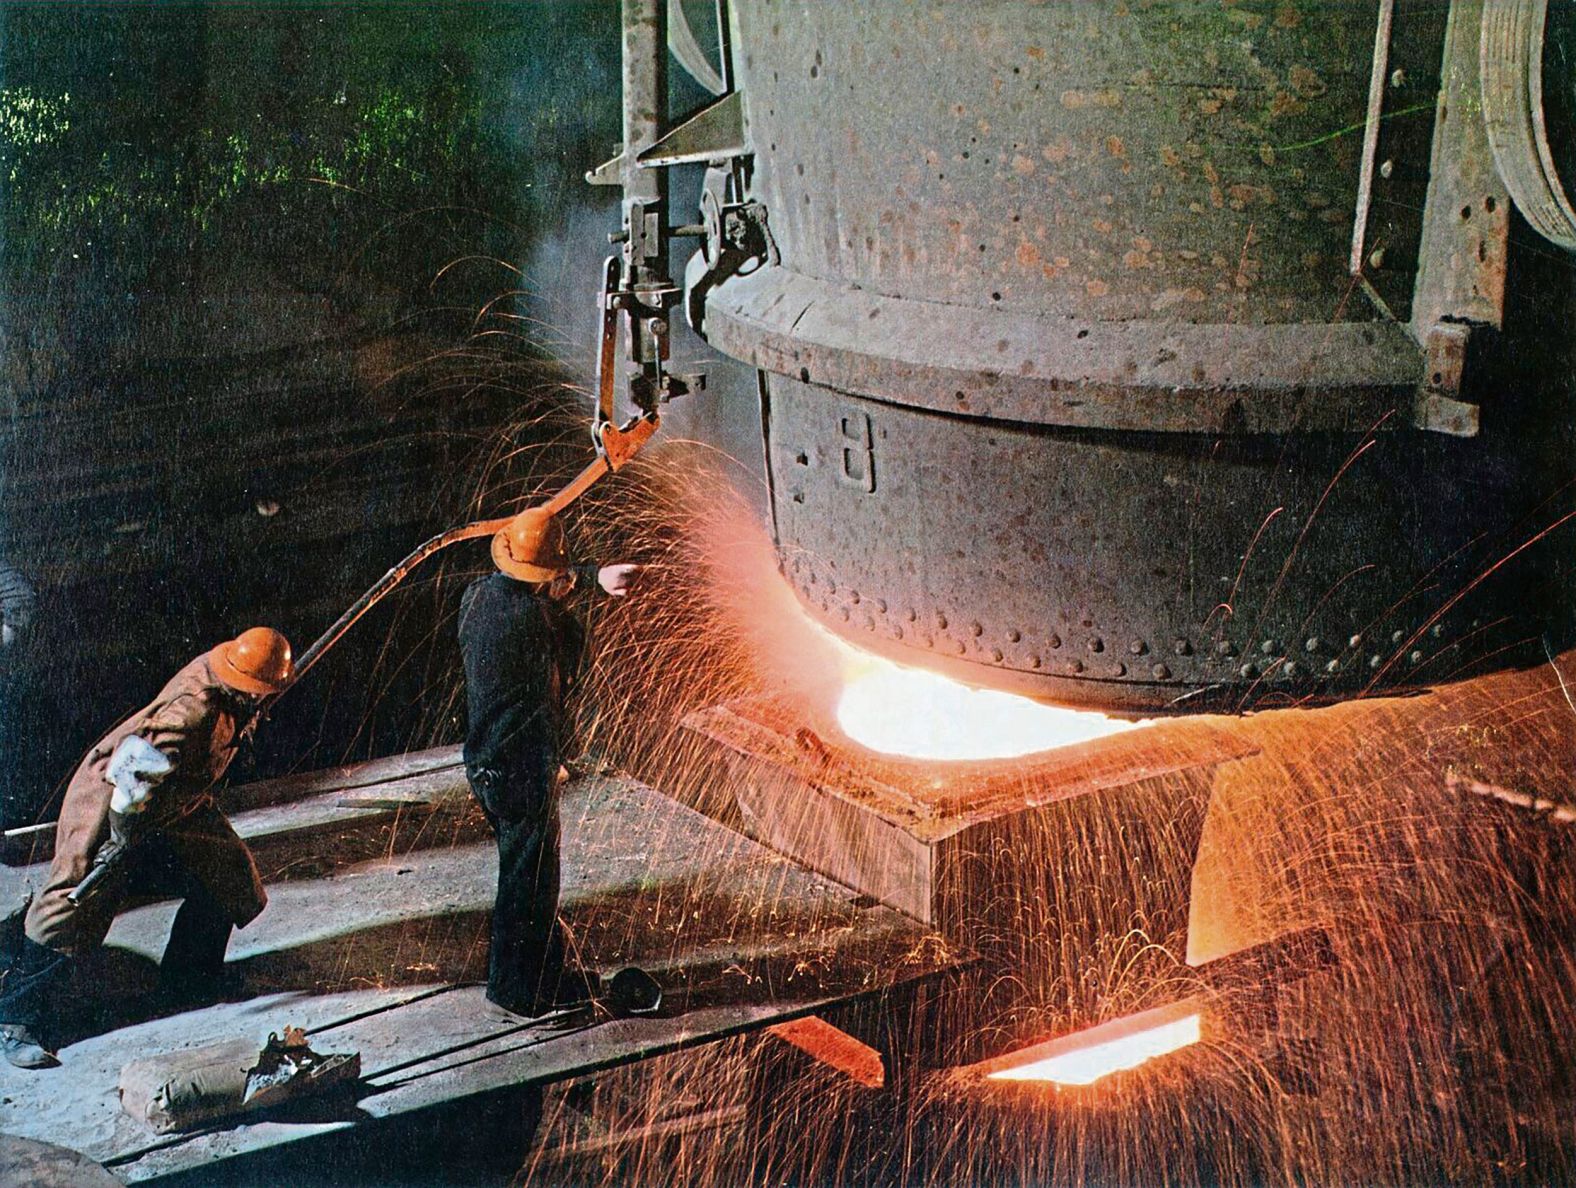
[645,53]
[724,46]
[1365,176]
[578,486]
[386,583]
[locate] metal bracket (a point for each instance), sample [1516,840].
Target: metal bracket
[1438,407]
[609,173]
[736,231]
[1460,287]
[1466,219]
[738,240]
[744,229]
[714,134]
[636,290]
[646,309]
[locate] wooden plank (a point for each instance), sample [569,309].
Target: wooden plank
[740,937]
[350,775]
[536,1056]
[77,1104]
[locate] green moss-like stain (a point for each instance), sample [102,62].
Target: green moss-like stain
[398,148]
[296,134]
[29,123]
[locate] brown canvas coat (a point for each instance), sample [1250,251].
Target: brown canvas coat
[193,722]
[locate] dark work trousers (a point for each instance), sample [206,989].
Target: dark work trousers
[522,651]
[527,954]
[193,956]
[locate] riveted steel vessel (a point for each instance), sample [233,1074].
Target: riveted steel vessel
[1145,354]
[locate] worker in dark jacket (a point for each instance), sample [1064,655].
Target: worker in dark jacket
[16,620]
[141,804]
[522,649]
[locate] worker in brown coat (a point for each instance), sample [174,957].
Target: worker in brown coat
[141,805]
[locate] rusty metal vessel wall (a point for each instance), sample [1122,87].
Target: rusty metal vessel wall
[1100,160]
[1068,384]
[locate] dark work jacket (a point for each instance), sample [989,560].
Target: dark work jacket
[522,651]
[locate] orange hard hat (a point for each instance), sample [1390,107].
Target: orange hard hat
[256,661]
[530,548]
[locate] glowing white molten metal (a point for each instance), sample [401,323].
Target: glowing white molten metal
[1086,1063]
[923,715]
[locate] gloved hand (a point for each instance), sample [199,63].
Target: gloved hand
[136,768]
[123,831]
[618,580]
[122,834]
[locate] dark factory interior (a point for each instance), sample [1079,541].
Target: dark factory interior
[718,592]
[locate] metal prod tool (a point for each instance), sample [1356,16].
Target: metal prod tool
[635,290]
[615,446]
[628,443]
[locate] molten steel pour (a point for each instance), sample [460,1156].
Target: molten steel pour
[923,715]
[1086,1056]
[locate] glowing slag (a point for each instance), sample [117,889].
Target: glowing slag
[923,715]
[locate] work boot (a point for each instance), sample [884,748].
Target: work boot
[23,1049]
[575,988]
